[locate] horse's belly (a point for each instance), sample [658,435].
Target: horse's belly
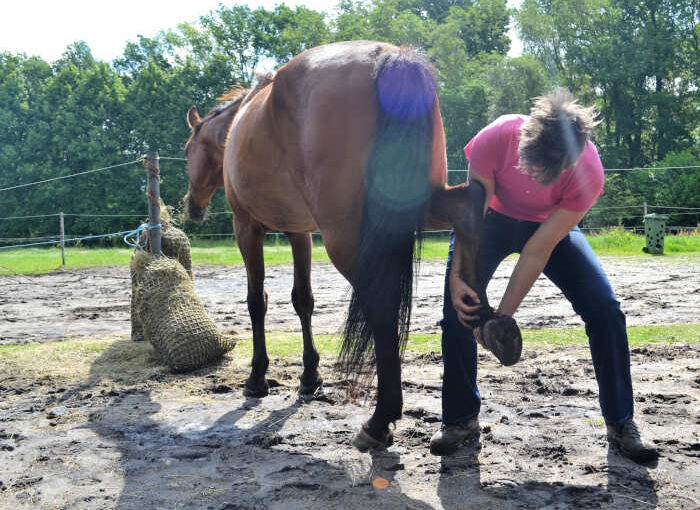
[256,173]
[278,206]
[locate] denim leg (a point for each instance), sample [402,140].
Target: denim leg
[575,269]
[461,400]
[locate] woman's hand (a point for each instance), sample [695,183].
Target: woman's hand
[461,295]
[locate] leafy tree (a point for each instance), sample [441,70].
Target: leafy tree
[293,31]
[513,82]
[351,22]
[637,61]
[632,58]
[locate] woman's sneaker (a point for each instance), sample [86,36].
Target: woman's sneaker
[626,438]
[450,437]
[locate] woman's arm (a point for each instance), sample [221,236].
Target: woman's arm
[535,255]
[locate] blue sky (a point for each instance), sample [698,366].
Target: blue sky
[46,27]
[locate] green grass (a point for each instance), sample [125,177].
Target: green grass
[224,252]
[618,242]
[290,344]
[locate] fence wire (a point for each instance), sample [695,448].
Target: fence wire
[71,175]
[55,239]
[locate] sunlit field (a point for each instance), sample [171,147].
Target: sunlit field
[615,242]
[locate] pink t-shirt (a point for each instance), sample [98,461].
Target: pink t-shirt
[493,154]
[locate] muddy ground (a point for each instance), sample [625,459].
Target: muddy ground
[652,290]
[114,430]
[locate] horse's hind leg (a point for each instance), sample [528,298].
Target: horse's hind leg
[303,301]
[389,394]
[250,236]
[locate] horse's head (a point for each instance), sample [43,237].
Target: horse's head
[204,151]
[204,165]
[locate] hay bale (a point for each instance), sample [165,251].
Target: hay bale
[175,245]
[172,317]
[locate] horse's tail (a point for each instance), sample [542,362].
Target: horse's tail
[397,197]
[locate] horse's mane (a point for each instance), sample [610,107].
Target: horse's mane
[237,95]
[232,97]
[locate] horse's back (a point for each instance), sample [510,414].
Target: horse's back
[298,151]
[326,109]
[325,103]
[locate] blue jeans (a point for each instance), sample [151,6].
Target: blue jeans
[574,268]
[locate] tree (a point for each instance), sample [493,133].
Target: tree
[632,59]
[293,31]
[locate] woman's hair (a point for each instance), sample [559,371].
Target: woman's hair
[554,136]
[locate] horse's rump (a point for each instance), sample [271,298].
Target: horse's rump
[398,190]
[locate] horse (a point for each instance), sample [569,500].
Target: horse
[345,139]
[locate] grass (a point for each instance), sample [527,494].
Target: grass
[615,242]
[283,345]
[76,356]
[619,242]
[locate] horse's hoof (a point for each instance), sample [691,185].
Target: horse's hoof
[310,389]
[501,336]
[364,442]
[256,391]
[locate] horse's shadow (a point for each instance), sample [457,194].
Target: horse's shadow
[241,458]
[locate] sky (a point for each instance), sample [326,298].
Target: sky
[46,27]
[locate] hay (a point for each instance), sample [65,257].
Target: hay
[175,245]
[166,311]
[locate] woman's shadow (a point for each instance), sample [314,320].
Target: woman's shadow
[460,486]
[230,456]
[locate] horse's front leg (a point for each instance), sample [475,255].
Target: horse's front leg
[303,301]
[250,236]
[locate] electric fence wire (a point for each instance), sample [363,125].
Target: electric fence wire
[71,175]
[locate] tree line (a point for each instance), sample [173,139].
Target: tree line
[636,60]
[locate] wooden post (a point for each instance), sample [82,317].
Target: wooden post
[645,208]
[153,192]
[62,229]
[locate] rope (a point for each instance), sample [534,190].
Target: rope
[125,233]
[67,176]
[617,207]
[103,215]
[136,234]
[630,169]
[75,214]
[27,217]
[37,238]
[672,207]
[651,168]
[172,159]
[65,240]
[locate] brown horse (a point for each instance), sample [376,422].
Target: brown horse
[346,139]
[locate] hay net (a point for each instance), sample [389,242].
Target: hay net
[166,310]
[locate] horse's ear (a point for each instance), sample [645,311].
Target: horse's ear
[193,118]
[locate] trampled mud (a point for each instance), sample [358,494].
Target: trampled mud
[143,438]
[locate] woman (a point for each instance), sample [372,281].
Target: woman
[541,174]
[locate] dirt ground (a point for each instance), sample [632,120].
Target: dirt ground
[115,430]
[65,304]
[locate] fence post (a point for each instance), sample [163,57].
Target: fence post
[62,229]
[153,193]
[645,209]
